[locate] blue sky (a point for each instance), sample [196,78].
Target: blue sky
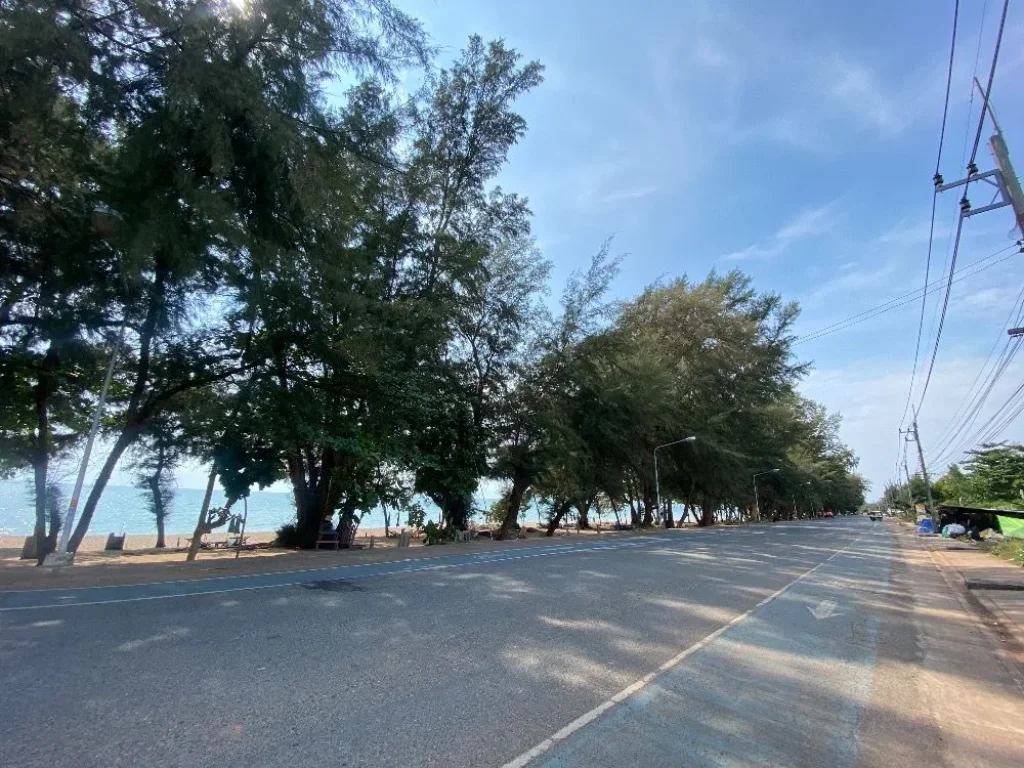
[793,140]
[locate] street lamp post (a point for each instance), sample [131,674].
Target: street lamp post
[657,485]
[757,504]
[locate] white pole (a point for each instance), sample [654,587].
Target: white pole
[657,486]
[757,505]
[69,520]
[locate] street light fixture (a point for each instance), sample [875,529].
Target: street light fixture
[757,505]
[657,486]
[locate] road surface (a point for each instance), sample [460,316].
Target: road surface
[758,645]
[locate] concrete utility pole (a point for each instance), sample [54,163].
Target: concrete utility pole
[61,556]
[911,432]
[657,483]
[906,471]
[757,504]
[1003,178]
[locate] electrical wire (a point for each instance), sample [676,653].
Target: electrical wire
[907,298]
[964,204]
[971,396]
[945,307]
[953,447]
[984,433]
[931,225]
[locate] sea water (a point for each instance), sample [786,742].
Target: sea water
[124,509]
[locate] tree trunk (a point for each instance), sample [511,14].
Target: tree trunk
[126,438]
[39,470]
[649,505]
[556,518]
[457,511]
[158,507]
[40,459]
[583,510]
[707,516]
[201,525]
[634,514]
[520,482]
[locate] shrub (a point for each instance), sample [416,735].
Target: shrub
[434,534]
[288,536]
[1011,549]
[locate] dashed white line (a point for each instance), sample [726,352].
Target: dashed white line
[531,754]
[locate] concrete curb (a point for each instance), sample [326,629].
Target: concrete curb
[983,584]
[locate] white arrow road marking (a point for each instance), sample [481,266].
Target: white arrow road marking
[823,610]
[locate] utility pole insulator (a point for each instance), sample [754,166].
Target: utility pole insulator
[1002,178]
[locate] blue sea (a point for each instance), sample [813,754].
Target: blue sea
[123,509]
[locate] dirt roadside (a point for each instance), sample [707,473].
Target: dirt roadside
[96,569]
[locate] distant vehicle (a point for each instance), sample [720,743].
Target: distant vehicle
[826,514]
[875,515]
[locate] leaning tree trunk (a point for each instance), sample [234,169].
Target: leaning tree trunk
[202,525]
[520,482]
[126,438]
[556,518]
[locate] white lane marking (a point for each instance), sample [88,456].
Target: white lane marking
[823,610]
[547,551]
[531,754]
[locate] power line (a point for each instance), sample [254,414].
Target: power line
[1014,401]
[945,306]
[1002,363]
[964,204]
[904,299]
[971,396]
[935,197]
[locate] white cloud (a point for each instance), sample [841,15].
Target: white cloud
[856,88]
[628,193]
[809,223]
[911,232]
[850,280]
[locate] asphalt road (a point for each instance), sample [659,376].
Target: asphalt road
[753,645]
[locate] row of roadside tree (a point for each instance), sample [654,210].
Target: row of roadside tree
[309,274]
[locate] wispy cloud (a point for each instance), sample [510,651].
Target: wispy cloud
[857,89]
[628,193]
[809,223]
[909,232]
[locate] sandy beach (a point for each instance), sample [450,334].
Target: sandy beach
[141,563]
[136,543]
